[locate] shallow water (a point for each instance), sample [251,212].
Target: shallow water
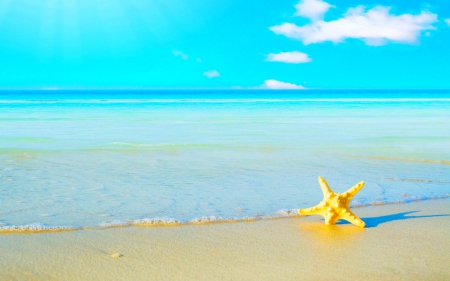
[95,159]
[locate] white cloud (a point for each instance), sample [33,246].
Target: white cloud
[375,27]
[447,21]
[312,9]
[274,84]
[289,57]
[211,73]
[180,54]
[198,60]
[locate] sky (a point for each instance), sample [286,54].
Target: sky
[224,44]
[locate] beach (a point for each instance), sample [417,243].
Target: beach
[177,185]
[401,242]
[199,140]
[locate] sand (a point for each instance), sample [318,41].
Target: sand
[402,242]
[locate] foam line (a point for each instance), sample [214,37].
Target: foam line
[204,220]
[36,227]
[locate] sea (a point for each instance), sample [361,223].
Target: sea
[78,159]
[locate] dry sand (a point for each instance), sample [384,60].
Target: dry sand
[402,242]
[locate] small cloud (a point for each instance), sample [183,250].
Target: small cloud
[198,60]
[312,9]
[211,73]
[289,57]
[375,27]
[274,84]
[447,21]
[180,54]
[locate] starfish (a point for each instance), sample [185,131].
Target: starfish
[335,206]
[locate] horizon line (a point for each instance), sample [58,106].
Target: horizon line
[56,89]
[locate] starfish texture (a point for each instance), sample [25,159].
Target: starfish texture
[335,206]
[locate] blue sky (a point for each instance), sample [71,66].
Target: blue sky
[224,44]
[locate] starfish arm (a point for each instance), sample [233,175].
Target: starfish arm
[349,194]
[316,210]
[331,218]
[352,218]
[325,188]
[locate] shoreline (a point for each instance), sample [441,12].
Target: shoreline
[157,222]
[401,242]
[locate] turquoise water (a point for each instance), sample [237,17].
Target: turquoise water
[98,159]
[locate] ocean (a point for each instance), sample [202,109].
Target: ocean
[98,159]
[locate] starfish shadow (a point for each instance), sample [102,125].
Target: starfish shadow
[375,221]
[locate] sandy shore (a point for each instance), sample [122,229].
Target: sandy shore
[402,242]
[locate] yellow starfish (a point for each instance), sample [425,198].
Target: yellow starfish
[335,206]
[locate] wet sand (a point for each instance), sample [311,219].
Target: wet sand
[401,242]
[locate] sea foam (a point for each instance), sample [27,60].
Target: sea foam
[156,222]
[37,227]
